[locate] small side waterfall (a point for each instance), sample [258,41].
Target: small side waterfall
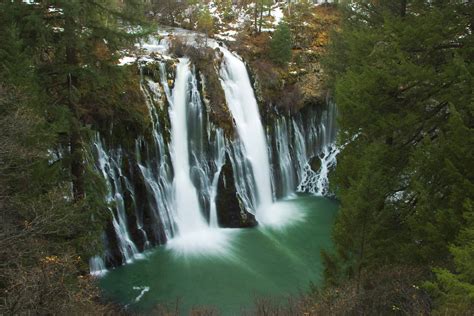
[304,151]
[219,155]
[111,169]
[285,168]
[250,150]
[156,170]
[97,266]
[207,152]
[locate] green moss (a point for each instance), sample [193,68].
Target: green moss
[123,116]
[152,70]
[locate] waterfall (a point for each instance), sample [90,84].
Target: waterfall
[298,141]
[165,189]
[187,209]
[219,163]
[285,168]
[114,179]
[197,155]
[207,148]
[250,150]
[97,266]
[156,169]
[316,181]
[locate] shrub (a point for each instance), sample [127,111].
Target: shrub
[280,46]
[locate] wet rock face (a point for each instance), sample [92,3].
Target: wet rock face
[150,222]
[113,257]
[230,210]
[247,219]
[315,163]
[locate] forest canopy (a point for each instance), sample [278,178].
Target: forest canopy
[402,76]
[60,85]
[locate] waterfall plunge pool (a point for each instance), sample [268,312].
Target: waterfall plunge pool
[246,264]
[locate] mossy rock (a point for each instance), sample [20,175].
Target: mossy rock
[152,70]
[207,64]
[170,66]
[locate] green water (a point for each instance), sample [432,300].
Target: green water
[256,262]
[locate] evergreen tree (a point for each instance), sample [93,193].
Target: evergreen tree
[60,84]
[81,72]
[205,22]
[298,21]
[454,290]
[260,7]
[281,44]
[402,78]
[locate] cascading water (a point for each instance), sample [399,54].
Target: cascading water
[97,266]
[195,234]
[254,165]
[284,169]
[187,209]
[110,168]
[156,169]
[171,183]
[303,151]
[207,150]
[322,137]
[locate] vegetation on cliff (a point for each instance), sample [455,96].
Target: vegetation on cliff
[206,62]
[280,45]
[288,81]
[60,85]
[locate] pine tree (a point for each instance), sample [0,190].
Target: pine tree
[402,78]
[281,44]
[205,22]
[454,290]
[298,21]
[60,83]
[82,76]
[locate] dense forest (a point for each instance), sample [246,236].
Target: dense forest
[58,85]
[402,78]
[400,73]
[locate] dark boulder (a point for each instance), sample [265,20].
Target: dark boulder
[231,212]
[315,163]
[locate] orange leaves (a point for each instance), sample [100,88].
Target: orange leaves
[101,51]
[51,260]
[321,39]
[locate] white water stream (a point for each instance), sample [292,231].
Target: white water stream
[243,106]
[181,176]
[186,205]
[195,233]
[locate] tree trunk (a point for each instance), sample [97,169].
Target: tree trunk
[403,8]
[77,163]
[255,15]
[361,254]
[75,141]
